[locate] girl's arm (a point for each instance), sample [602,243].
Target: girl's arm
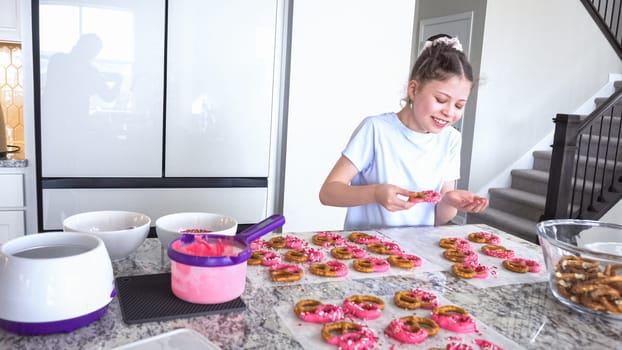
[454,200]
[337,191]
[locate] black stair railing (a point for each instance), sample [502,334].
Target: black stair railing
[607,15]
[585,179]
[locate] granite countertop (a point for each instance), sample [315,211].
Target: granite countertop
[13,160]
[526,314]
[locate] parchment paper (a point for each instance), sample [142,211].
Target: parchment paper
[309,334]
[424,243]
[261,274]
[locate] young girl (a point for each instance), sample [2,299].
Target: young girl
[390,156]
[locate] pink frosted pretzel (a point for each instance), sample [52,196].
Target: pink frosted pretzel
[428,196]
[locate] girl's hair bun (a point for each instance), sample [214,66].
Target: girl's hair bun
[443,39]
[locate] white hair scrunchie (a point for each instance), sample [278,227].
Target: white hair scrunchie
[451,42]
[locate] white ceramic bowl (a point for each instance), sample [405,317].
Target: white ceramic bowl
[122,231]
[53,282]
[170,226]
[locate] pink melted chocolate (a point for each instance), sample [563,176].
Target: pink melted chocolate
[323,314]
[503,254]
[363,339]
[363,310]
[340,268]
[486,345]
[533,265]
[201,247]
[429,299]
[456,323]
[402,332]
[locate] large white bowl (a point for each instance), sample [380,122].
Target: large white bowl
[170,226]
[122,231]
[53,282]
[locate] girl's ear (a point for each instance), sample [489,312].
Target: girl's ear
[412,89]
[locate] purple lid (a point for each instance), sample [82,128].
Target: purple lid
[241,241]
[173,251]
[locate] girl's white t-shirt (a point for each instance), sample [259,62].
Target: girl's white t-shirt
[385,151]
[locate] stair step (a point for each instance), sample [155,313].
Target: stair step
[600,100]
[507,222]
[530,180]
[542,160]
[524,204]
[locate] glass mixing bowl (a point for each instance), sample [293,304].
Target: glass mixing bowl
[584,263]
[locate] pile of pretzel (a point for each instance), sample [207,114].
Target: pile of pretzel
[583,281]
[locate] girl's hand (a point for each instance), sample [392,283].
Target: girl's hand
[465,201]
[388,196]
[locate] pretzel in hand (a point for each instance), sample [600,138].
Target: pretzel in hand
[428,196]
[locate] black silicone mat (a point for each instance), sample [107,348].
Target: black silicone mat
[148,298]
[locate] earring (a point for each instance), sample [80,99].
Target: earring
[410,104]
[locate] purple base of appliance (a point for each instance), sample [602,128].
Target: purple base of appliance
[63,326]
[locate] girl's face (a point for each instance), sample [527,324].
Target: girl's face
[437,104]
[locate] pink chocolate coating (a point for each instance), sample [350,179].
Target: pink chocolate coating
[337,238]
[259,244]
[458,346]
[470,257]
[368,240]
[503,254]
[415,259]
[294,242]
[491,238]
[340,268]
[270,258]
[486,345]
[379,265]
[201,247]
[363,339]
[481,271]
[364,310]
[394,248]
[286,267]
[355,251]
[323,314]
[534,266]
[456,323]
[314,255]
[429,298]
[399,330]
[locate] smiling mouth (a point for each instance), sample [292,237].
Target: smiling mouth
[440,121]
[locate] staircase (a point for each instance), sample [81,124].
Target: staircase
[517,209]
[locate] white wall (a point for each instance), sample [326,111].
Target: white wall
[614,215]
[539,58]
[350,59]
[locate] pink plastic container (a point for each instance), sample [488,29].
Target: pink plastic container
[211,269]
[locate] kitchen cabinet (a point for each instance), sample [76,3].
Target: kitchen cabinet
[12,205]
[220,81]
[10,20]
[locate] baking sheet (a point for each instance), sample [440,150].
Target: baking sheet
[260,274]
[424,243]
[309,334]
